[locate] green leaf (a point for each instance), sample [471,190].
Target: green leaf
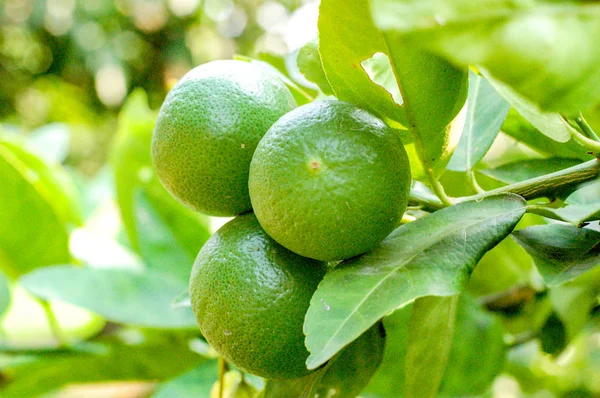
[167,234]
[431,334]
[309,63]
[119,295]
[433,255]
[478,350]
[551,124]
[561,252]
[196,383]
[5,294]
[573,301]
[523,131]
[546,51]
[581,205]
[430,101]
[486,111]
[27,245]
[522,170]
[388,381]
[149,358]
[345,375]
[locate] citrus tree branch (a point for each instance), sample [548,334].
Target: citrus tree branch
[543,186]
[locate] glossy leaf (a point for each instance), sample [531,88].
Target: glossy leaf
[430,339]
[27,245]
[433,255]
[344,375]
[196,383]
[522,170]
[581,205]
[157,358]
[309,63]
[148,296]
[546,51]
[561,252]
[486,110]
[430,101]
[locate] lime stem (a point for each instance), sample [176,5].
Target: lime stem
[586,128]
[438,189]
[474,183]
[53,323]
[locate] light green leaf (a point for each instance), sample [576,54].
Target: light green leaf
[561,252]
[345,375]
[119,295]
[196,383]
[164,232]
[430,100]
[581,205]
[309,63]
[24,244]
[5,294]
[433,255]
[552,125]
[486,111]
[546,50]
[522,170]
[524,132]
[152,358]
[430,339]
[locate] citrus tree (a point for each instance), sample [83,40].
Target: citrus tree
[415,202]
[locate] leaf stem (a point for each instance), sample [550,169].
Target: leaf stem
[54,324]
[586,128]
[590,144]
[474,183]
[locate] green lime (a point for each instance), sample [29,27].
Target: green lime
[329,181]
[208,128]
[250,296]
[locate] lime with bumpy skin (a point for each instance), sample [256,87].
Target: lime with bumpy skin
[329,181]
[207,130]
[250,296]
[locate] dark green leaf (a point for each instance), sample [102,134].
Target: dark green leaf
[581,205]
[430,101]
[24,198]
[309,63]
[546,51]
[5,294]
[344,376]
[560,252]
[478,350]
[430,339]
[119,295]
[525,169]
[433,255]
[523,131]
[158,358]
[486,111]
[196,383]
[553,335]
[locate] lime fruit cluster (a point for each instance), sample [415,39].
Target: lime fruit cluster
[327,181]
[250,296]
[207,130]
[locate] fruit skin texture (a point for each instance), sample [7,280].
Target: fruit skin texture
[250,296]
[207,130]
[329,181]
